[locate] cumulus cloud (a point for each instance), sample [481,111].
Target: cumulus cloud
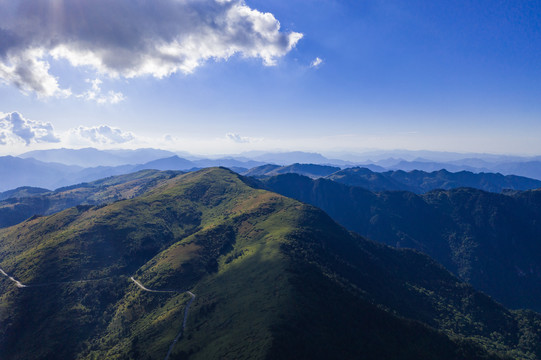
[14,128]
[100,135]
[95,94]
[171,139]
[123,38]
[28,71]
[236,138]
[316,62]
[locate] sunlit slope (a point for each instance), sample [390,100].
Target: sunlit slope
[273,278]
[21,205]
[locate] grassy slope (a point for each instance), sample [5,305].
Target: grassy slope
[274,279]
[23,205]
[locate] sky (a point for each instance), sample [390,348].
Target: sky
[228,76]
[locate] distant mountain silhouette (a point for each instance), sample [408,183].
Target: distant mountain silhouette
[529,168]
[91,157]
[227,162]
[310,170]
[17,172]
[171,163]
[430,166]
[368,179]
[420,181]
[292,157]
[34,173]
[23,191]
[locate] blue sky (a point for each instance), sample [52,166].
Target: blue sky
[439,75]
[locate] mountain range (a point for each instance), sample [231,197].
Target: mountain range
[416,181]
[62,167]
[209,265]
[91,157]
[490,240]
[19,172]
[419,182]
[310,170]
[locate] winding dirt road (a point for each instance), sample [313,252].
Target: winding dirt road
[21,285]
[141,286]
[154,291]
[17,282]
[179,335]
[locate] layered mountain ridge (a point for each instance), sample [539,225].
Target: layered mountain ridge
[273,278]
[488,239]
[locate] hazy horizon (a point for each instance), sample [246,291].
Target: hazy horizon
[225,77]
[346,155]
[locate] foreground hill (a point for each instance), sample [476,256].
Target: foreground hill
[269,277]
[22,203]
[490,240]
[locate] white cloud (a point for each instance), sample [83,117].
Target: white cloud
[99,135]
[170,139]
[150,37]
[14,129]
[236,138]
[3,138]
[95,94]
[316,63]
[29,72]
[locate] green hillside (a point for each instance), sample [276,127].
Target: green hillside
[273,278]
[25,202]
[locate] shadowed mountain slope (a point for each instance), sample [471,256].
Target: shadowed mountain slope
[273,278]
[490,240]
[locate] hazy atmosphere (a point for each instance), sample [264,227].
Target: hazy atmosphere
[229,76]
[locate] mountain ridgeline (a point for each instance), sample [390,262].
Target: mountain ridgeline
[17,172]
[269,277]
[310,170]
[490,240]
[420,181]
[22,203]
[415,181]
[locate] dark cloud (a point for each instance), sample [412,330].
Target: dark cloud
[131,38]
